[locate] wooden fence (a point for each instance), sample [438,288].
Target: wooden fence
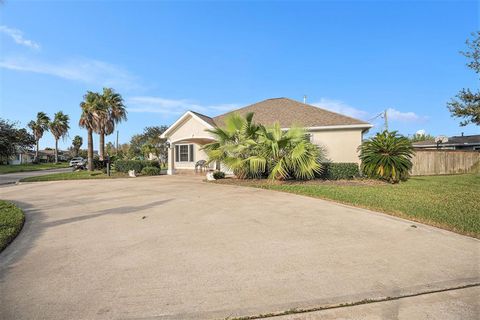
[432,162]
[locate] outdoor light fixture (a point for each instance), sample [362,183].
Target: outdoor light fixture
[168,144]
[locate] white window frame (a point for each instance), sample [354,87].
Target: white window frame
[189,155]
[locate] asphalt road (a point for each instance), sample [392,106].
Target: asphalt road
[171,247]
[10,178]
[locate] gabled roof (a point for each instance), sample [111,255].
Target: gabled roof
[289,112]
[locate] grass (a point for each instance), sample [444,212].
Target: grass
[77,175]
[9,168]
[11,222]
[449,202]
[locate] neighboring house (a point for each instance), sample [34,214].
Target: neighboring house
[22,158]
[48,155]
[338,134]
[451,143]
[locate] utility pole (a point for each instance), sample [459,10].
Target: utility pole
[117,144]
[386,119]
[304,99]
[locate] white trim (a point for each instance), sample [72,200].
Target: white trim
[188,153]
[343,126]
[183,117]
[192,139]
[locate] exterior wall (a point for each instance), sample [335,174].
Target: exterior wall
[197,155]
[190,128]
[20,159]
[340,145]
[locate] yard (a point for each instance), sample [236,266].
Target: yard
[8,168]
[11,222]
[449,202]
[77,175]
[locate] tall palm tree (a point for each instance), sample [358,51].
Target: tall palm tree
[59,128]
[92,111]
[114,112]
[38,127]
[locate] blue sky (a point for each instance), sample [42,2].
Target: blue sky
[356,57]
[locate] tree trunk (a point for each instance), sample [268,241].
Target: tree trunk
[90,150]
[101,150]
[56,150]
[36,151]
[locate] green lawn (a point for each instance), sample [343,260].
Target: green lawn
[449,202]
[77,175]
[8,168]
[11,222]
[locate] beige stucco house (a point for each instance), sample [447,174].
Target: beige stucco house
[338,134]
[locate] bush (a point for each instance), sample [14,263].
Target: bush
[11,222]
[339,170]
[151,171]
[137,165]
[219,175]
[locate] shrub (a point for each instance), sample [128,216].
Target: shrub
[151,171]
[137,165]
[387,156]
[339,170]
[219,175]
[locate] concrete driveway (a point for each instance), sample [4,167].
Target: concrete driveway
[177,248]
[10,178]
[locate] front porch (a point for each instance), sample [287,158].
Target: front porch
[184,155]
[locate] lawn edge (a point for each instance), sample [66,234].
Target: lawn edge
[19,228]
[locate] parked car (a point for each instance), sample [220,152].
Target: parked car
[78,161]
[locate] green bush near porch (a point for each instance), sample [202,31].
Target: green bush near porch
[137,165]
[339,171]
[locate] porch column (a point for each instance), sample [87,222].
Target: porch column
[171,160]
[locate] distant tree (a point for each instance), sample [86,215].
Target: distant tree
[13,140]
[38,127]
[421,137]
[90,120]
[76,145]
[149,142]
[59,129]
[114,112]
[110,148]
[467,104]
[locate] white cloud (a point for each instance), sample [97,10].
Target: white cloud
[85,70]
[340,107]
[148,104]
[17,36]
[400,116]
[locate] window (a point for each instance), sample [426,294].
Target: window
[184,153]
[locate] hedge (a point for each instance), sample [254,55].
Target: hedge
[137,165]
[219,175]
[151,171]
[339,170]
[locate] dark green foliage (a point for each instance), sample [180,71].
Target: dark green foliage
[13,140]
[387,156]
[467,102]
[219,175]
[137,165]
[151,171]
[339,171]
[11,222]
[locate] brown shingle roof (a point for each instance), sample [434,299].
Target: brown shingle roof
[289,112]
[205,118]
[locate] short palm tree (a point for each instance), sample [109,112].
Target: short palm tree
[92,110]
[59,128]
[114,112]
[38,127]
[253,151]
[77,144]
[387,156]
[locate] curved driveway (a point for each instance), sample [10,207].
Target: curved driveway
[177,248]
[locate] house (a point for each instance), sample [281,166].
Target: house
[338,134]
[451,143]
[22,157]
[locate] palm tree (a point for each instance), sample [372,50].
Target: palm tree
[254,151]
[114,112]
[77,144]
[59,128]
[387,156]
[90,119]
[38,127]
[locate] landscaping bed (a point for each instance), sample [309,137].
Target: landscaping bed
[11,222]
[449,202]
